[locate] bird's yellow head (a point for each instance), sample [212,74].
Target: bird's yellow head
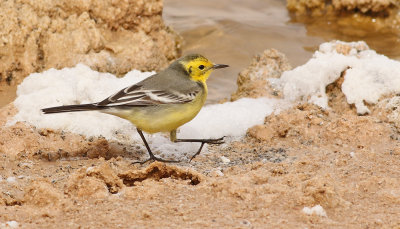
[198,67]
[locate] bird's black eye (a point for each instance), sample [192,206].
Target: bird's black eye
[201,67]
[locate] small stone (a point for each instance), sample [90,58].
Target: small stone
[225,160]
[11,179]
[217,173]
[12,224]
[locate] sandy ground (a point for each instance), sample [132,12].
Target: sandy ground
[301,157]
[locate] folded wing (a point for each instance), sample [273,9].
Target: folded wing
[136,95]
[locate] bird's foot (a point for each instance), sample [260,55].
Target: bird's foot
[154,158]
[216,141]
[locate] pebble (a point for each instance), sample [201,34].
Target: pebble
[89,169]
[11,179]
[217,173]
[9,224]
[225,160]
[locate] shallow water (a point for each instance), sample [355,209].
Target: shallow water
[233,31]
[7,94]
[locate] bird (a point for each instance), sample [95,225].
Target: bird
[160,103]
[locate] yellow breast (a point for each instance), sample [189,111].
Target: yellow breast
[163,117]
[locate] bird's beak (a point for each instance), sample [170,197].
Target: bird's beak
[216,66]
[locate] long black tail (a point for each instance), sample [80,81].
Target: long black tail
[72,108]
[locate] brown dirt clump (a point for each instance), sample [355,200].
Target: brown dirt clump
[42,193]
[95,182]
[22,140]
[159,171]
[109,36]
[310,125]
[252,81]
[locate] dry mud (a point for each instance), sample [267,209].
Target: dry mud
[302,157]
[110,36]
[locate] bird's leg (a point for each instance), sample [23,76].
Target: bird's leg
[216,141]
[152,157]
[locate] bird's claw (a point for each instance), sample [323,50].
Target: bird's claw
[154,159]
[217,141]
